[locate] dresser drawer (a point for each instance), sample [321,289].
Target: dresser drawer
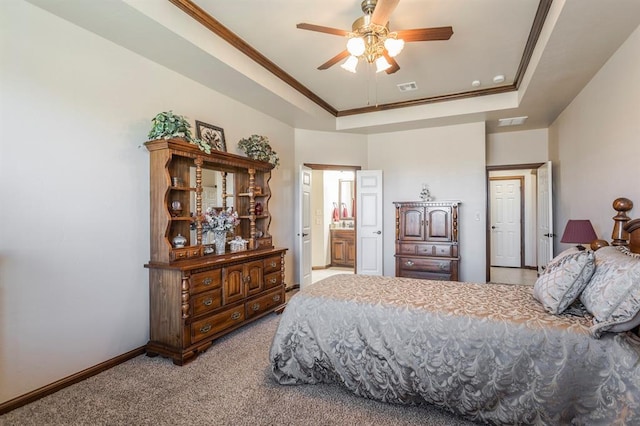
[262,304]
[185,253]
[272,264]
[272,280]
[427,265]
[206,302]
[441,250]
[216,323]
[208,280]
[422,249]
[426,275]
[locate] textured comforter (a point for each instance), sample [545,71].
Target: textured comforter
[487,352]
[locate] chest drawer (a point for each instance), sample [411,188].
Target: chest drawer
[426,265]
[262,304]
[216,323]
[208,280]
[272,280]
[422,249]
[206,302]
[272,264]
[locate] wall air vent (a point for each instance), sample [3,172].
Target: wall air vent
[513,121]
[407,87]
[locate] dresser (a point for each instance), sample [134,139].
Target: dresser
[200,290]
[426,244]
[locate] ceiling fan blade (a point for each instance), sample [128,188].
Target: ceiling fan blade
[321,29]
[426,34]
[331,62]
[383,10]
[394,65]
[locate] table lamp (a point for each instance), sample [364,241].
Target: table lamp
[578,231]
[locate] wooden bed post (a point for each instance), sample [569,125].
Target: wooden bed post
[619,236]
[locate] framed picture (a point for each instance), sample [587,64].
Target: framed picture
[212,134]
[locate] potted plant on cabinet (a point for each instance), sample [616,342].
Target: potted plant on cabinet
[258,148]
[169,125]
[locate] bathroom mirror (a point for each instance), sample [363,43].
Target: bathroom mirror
[346,197]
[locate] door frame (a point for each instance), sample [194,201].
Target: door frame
[522,239]
[488,212]
[337,167]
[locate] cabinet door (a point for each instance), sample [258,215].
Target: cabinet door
[233,285]
[253,277]
[438,224]
[350,253]
[412,223]
[337,252]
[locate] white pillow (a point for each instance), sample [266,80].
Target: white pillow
[613,294]
[564,279]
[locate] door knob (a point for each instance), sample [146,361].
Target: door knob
[378,232]
[304,235]
[493,227]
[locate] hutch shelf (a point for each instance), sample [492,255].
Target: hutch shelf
[196,295]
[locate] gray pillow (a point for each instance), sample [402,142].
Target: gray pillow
[564,279]
[613,294]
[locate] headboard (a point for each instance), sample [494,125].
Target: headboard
[626,232]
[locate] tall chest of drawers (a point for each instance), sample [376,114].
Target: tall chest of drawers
[427,239]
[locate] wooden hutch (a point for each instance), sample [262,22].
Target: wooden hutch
[427,240]
[196,296]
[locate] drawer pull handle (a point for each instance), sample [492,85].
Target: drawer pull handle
[205,328]
[409,263]
[207,281]
[273,264]
[442,266]
[235,315]
[181,254]
[255,306]
[276,298]
[207,302]
[273,280]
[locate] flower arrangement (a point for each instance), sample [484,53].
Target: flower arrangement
[169,125]
[258,148]
[223,220]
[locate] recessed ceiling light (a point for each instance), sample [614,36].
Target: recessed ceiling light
[475,83]
[407,87]
[498,78]
[513,121]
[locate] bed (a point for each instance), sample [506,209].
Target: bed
[489,353]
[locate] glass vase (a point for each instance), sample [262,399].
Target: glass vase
[220,240]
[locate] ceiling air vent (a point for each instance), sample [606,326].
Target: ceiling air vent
[407,87]
[513,121]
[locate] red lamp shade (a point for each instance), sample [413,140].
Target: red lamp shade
[578,231]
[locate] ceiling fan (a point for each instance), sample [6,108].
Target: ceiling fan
[371,40]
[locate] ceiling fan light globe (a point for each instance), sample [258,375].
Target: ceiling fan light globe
[382,64]
[356,46]
[350,64]
[394,46]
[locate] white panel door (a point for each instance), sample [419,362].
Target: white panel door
[545,216]
[506,222]
[369,222]
[304,231]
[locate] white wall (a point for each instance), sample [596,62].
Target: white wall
[451,161]
[519,147]
[74,215]
[595,145]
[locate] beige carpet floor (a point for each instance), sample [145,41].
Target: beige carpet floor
[230,384]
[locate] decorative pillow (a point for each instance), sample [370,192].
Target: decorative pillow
[564,279]
[613,294]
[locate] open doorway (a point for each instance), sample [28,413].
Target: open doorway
[512,223]
[333,221]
